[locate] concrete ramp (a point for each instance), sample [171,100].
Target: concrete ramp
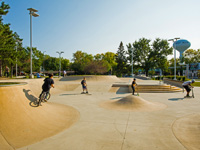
[60,87]
[91,78]
[22,123]
[187,131]
[133,103]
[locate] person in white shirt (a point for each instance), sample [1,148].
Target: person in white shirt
[187,86]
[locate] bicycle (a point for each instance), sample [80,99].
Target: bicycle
[44,97]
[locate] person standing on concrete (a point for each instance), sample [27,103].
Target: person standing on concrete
[187,86]
[133,85]
[84,86]
[64,73]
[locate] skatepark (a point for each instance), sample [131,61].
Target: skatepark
[108,118]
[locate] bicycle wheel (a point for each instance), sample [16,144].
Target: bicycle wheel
[42,97]
[48,96]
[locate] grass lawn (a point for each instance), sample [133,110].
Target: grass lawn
[196,84]
[8,83]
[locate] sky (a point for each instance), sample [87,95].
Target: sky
[98,26]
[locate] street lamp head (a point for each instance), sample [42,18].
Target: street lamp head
[35,15]
[32,9]
[171,40]
[59,52]
[177,38]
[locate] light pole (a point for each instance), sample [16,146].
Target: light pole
[132,62]
[32,13]
[174,39]
[17,42]
[43,62]
[60,61]
[131,49]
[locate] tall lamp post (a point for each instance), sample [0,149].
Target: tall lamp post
[32,13]
[131,60]
[173,40]
[17,43]
[43,62]
[60,61]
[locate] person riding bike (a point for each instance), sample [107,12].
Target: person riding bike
[187,86]
[48,83]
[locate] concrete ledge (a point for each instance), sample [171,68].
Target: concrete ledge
[173,82]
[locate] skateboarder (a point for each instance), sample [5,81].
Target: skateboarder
[84,85]
[187,86]
[133,85]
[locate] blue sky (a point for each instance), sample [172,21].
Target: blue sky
[98,26]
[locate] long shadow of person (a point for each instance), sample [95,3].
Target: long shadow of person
[175,99]
[31,98]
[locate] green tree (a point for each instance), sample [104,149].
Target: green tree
[52,63]
[80,61]
[110,57]
[4,9]
[143,54]
[7,46]
[191,56]
[65,63]
[121,60]
[96,67]
[161,50]
[7,41]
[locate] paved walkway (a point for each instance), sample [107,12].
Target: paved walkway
[104,129]
[175,127]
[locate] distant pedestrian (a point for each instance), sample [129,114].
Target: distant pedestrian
[7,71]
[133,85]
[64,73]
[84,85]
[187,85]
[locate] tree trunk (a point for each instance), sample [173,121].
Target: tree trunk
[0,68]
[11,73]
[147,72]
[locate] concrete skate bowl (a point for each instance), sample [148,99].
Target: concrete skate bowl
[23,124]
[133,103]
[187,131]
[108,78]
[60,87]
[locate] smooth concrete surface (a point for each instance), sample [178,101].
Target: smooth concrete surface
[176,126]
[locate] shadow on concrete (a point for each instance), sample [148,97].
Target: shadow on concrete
[31,98]
[116,98]
[122,90]
[175,99]
[70,94]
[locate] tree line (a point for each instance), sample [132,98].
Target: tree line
[145,55]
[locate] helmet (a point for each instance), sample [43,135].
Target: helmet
[193,80]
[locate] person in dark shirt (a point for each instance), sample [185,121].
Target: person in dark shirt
[133,85]
[84,85]
[48,83]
